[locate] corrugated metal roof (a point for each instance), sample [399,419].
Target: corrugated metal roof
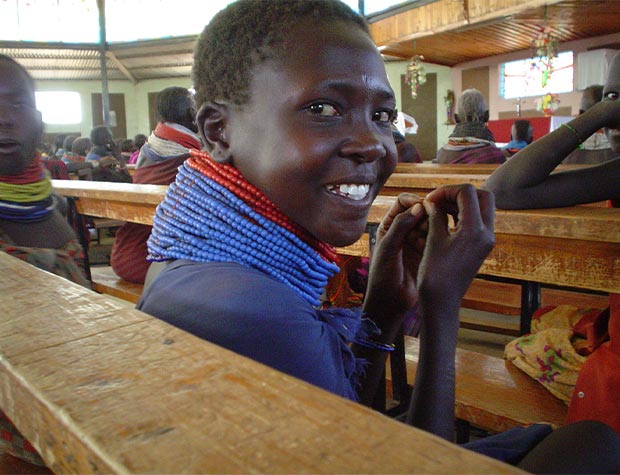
[569,20]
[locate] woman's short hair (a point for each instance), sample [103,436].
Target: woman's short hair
[471,106]
[249,32]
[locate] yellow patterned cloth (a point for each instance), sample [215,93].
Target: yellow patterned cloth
[554,353]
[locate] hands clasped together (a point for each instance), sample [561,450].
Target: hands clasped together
[420,255]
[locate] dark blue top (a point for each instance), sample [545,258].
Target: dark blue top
[252,314]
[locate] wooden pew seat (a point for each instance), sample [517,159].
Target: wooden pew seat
[492,393]
[105,281]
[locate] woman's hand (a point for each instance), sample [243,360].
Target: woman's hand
[452,256]
[401,238]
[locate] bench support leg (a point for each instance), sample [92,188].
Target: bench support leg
[462,431]
[530,301]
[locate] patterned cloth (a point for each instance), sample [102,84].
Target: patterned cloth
[167,141]
[470,150]
[554,353]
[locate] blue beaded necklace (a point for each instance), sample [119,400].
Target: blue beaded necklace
[203,220]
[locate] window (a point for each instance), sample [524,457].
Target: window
[523,78]
[59,107]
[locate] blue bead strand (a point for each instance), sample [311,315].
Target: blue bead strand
[204,221]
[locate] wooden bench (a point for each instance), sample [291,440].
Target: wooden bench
[105,281]
[492,393]
[98,387]
[533,247]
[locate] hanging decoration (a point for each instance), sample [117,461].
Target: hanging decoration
[449,102]
[546,51]
[416,74]
[548,103]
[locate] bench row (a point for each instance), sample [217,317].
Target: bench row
[99,387]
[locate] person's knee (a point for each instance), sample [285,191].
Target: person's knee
[581,447]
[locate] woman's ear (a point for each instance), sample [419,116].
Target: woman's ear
[212,120]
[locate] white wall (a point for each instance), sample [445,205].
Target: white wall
[136,101]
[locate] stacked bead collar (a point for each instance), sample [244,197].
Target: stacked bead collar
[211,213]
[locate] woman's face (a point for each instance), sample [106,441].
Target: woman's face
[611,92]
[20,123]
[316,135]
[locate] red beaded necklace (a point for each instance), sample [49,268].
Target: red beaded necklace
[228,176]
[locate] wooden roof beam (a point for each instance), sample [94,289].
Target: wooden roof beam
[112,57]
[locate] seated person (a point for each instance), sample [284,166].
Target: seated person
[295,115]
[527,181]
[139,140]
[521,135]
[32,227]
[596,148]
[79,149]
[127,148]
[67,156]
[103,145]
[407,153]
[471,141]
[166,150]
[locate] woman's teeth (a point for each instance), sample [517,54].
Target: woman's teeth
[355,192]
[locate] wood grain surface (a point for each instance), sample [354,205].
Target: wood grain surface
[100,388]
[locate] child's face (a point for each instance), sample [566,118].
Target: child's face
[20,122]
[611,92]
[316,134]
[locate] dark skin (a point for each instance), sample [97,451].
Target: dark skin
[526,181]
[20,132]
[319,121]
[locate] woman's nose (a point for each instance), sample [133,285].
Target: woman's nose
[366,146]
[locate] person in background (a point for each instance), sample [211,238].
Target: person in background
[59,141]
[139,140]
[521,135]
[175,131]
[526,181]
[67,145]
[80,148]
[407,153]
[471,141]
[127,148]
[32,226]
[166,150]
[103,144]
[105,155]
[596,148]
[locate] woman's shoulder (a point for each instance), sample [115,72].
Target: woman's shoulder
[221,287]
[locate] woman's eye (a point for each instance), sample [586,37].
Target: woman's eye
[383,116]
[323,109]
[611,95]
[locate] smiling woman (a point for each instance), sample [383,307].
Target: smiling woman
[295,111]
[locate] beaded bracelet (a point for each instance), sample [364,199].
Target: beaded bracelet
[572,129]
[374,345]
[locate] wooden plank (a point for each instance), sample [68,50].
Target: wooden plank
[569,262]
[492,393]
[105,281]
[544,245]
[98,387]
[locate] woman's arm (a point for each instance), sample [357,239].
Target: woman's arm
[440,266]
[526,181]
